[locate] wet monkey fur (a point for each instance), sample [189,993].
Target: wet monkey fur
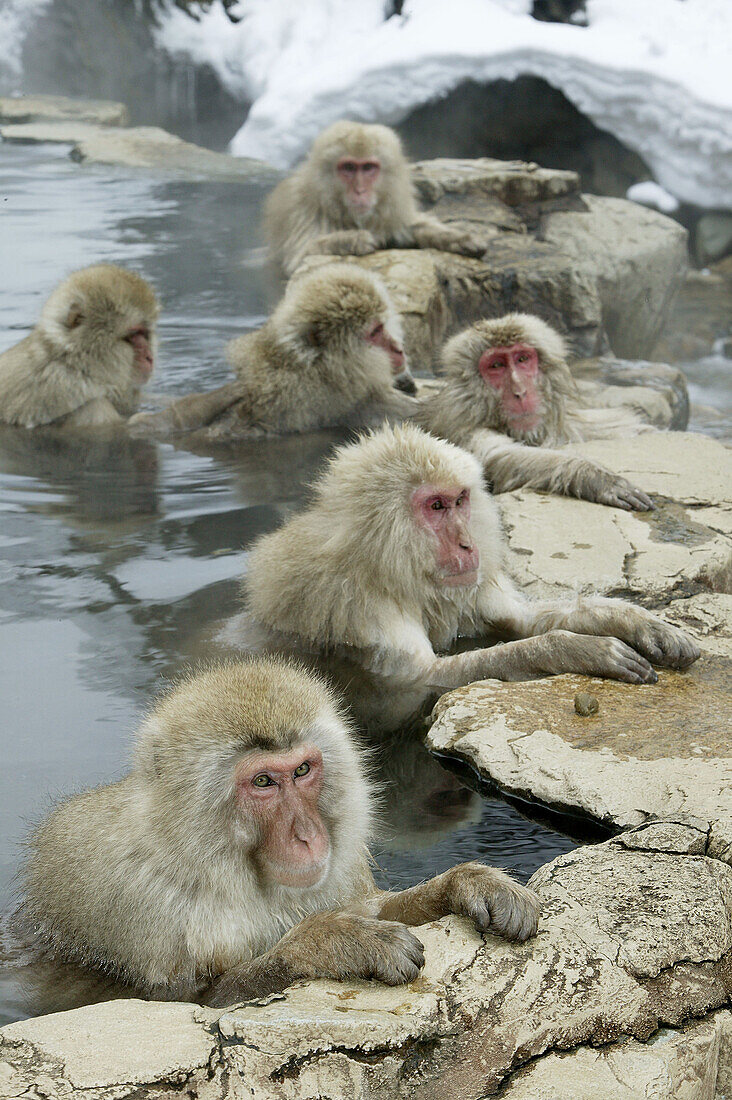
[232,860]
[330,355]
[401,553]
[89,355]
[352,195]
[510,399]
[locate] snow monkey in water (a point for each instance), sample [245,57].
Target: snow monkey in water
[330,355]
[84,363]
[232,860]
[509,398]
[400,554]
[351,196]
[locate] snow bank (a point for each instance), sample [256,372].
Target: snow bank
[16,17]
[655,73]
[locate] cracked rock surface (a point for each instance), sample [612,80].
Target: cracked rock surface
[635,942]
[560,546]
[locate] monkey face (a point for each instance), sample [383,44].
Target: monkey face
[279,793]
[144,361]
[444,514]
[377,334]
[514,373]
[358,177]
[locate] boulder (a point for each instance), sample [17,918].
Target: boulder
[18,110]
[635,938]
[655,390]
[702,316]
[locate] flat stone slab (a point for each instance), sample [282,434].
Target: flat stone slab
[38,108]
[514,182]
[652,750]
[559,545]
[635,936]
[141,147]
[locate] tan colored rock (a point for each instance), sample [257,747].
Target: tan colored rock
[652,750]
[677,1064]
[57,108]
[116,1045]
[514,182]
[559,545]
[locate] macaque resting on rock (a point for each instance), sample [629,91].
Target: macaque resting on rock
[401,553]
[509,398]
[84,363]
[232,860]
[330,355]
[353,195]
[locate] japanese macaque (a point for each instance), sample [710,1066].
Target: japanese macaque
[509,397]
[354,195]
[232,860]
[401,553]
[330,355]
[87,358]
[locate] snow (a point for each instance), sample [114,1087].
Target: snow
[655,73]
[649,193]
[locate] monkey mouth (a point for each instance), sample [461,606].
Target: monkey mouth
[299,877]
[464,579]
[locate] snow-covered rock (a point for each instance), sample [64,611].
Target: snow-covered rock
[653,74]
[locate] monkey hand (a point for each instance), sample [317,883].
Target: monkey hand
[492,900]
[662,644]
[344,946]
[593,655]
[345,242]
[616,492]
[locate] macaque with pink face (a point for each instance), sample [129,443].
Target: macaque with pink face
[87,359]
[510,399]
[401,554]
[330,355]
[353,195]
[233,861]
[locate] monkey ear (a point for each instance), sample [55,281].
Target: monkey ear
[74,317]
[312,337]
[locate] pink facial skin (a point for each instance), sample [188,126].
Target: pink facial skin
[445,513]
[514,373]
[294,845]
[358,177]
[380,338]
[140,340]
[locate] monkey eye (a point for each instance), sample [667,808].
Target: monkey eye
[496,363]
[460,500]
[347,166]
[303,769]
[371,166]
[262,780]
[523,358]
[437,505]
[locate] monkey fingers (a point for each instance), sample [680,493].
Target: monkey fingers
[344,946]
[493,901]
[346,242]
[619,493]
[663,644]
[598,655]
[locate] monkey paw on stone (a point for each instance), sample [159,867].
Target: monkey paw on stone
[660,643]
[493,900]
[616,492]
[345,946]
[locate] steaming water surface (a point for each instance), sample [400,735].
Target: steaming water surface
[118,558]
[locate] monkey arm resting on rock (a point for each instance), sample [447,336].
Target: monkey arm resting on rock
[400,554]
[232,860]
[351,196]
[509,398]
